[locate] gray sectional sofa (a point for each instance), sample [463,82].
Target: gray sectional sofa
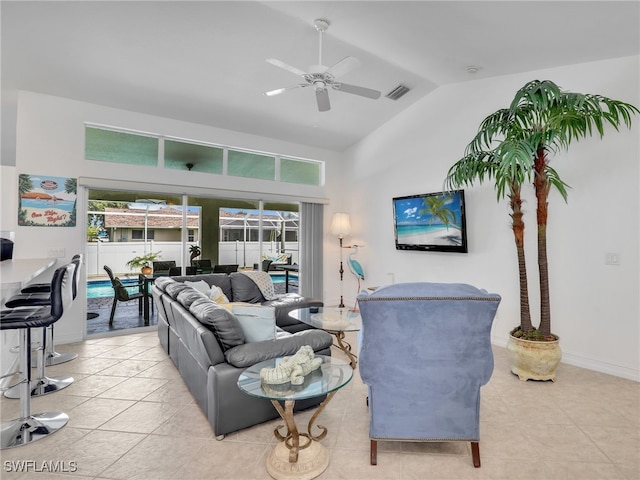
[205,342]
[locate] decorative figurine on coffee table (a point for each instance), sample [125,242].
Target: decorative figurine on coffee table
[292,369]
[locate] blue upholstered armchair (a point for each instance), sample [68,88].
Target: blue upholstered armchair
[425,352]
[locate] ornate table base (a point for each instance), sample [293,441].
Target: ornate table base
[299,455]
[346,348]
[312,461]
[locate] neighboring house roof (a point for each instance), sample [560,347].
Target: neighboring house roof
[158,218]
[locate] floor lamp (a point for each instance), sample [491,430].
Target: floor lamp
[341,227]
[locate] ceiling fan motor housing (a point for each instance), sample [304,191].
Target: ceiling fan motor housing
[317,69]
[321,24]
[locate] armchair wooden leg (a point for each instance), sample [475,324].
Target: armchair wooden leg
[475,453]
[374,452]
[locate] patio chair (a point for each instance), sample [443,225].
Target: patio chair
[121,294]
[161,268]
[225,268]
[202,266]
[266,265]
[177,271]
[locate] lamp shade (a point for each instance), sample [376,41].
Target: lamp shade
[340,225]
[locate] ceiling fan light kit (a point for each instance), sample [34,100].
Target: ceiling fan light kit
[321,78]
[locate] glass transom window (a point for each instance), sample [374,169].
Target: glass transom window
[120,147]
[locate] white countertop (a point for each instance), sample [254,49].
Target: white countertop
[19,272]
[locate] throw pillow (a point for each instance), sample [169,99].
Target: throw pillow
[122,292]
[257,323]
[217,295]
[201,286]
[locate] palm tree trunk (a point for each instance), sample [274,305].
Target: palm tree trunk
[515,202]
[545,304]
[541,184]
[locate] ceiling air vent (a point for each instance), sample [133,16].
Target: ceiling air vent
[397,92]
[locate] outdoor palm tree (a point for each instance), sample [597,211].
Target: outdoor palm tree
[513,146]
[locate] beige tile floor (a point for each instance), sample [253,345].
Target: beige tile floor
[131,417]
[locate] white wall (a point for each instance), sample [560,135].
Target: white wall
[595,307]
[50,141]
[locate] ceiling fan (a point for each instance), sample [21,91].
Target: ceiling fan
[321,78]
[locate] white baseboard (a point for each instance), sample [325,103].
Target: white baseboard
[61,338]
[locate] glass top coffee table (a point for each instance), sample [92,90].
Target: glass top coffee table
[334,320]
[298,455]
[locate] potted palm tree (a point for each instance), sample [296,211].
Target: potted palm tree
[143,262]
[513,147]
[194,252]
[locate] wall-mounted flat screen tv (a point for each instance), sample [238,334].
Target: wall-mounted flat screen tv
[431,222]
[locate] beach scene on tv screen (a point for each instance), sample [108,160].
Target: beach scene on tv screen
[429,220]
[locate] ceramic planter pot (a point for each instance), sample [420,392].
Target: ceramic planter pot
[146,270]
[534,360]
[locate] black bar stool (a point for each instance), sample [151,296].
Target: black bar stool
[42,385]
[51,357]
[31,427]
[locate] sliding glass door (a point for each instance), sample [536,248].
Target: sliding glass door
[179,229]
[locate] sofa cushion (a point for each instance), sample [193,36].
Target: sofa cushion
[243,356]
[189,295]
[244,289]
[173,289]
[277,258]
[162,282]
[221,321]
[257,323]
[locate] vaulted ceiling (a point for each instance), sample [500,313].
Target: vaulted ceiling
[204,61]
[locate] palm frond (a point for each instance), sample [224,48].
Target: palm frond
[554,179]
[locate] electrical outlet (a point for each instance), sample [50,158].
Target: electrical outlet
[56,253]
[612,259]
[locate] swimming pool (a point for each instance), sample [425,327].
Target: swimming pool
[279,277]
[103,288]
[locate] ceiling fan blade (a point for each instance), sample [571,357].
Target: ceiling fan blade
[322,98]
[362,91]
[343,66]
[285,66]
[278,91]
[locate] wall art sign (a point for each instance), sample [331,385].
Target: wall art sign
[45,201]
